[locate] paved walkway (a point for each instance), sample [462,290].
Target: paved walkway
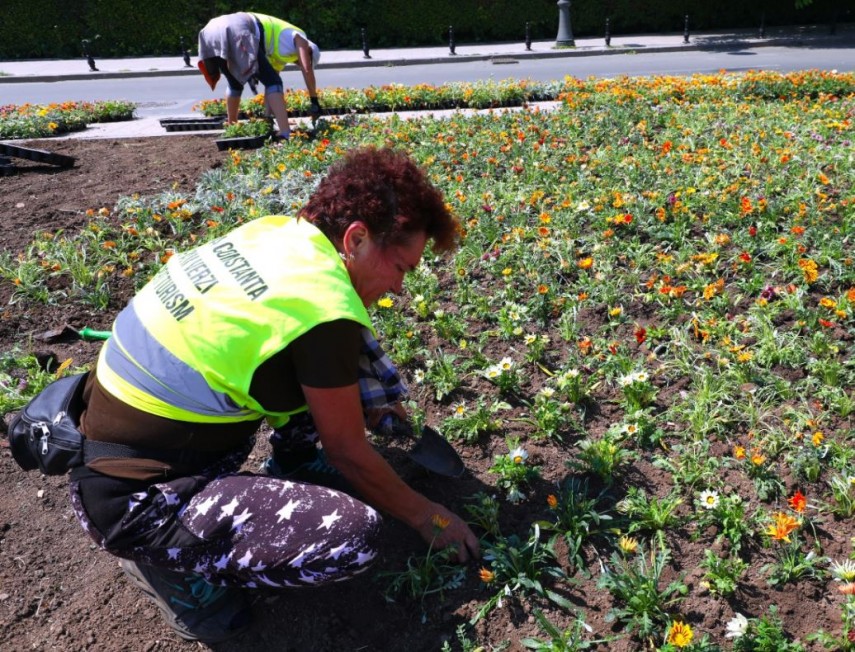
[78,69]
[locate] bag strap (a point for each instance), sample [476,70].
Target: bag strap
[92,450]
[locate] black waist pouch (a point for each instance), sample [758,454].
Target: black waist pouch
[44,434]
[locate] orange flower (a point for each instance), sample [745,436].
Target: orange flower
[439,522]
[782,526]
[847,589]
[757,458]
[586,263]
[542,289]
[552,501]
[798,502]
[486,575]
[739,452]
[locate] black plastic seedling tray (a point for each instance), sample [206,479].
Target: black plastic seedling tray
[191,124]
[37,155]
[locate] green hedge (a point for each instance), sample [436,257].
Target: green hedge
[55,28]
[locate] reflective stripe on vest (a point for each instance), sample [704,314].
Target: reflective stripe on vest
[273,28]
[187,346]
[196,396]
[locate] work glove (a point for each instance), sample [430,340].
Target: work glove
[314,108]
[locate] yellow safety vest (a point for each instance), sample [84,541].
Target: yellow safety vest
[188,344]
[273,28]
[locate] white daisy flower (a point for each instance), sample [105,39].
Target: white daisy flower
[737,626]
[518,455]
[709,499]
[843,571]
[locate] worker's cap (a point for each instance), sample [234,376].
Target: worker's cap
[210,70]
[316,53]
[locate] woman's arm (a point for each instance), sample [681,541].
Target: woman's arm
[337,413]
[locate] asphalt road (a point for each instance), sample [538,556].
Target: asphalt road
[158,96]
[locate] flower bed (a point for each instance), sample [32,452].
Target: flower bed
[40,121]
[642,344]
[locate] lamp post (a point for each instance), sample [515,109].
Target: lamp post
[565,31]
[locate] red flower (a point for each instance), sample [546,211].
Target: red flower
[745,257]
[640,334]
[752,231]
[825,323]
[798,502]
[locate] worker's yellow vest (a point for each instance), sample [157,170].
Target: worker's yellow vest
[273,28]
[188,344]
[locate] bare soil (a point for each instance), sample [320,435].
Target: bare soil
[58,592]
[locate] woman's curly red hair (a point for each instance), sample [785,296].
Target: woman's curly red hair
[389,193]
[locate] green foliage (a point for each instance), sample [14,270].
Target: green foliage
[603,457]
[765,634]
[248,128]
[580,517]
[519,568]
[575,637]
[642,606]
[722,574]
[22,376]
[514,471]
[433,573]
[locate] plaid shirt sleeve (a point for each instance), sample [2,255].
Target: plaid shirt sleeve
[380,384]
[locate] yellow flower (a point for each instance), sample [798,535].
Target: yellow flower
[586,263]
[817,438]
[627,544]
[439,522]
[809,269]
[385,302]
[681,634]
[827,302]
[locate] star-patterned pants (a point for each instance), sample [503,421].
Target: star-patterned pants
[234,529]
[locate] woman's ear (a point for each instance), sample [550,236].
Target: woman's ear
[354,237]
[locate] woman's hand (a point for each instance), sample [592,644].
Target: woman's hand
[444,528]
[374,415]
